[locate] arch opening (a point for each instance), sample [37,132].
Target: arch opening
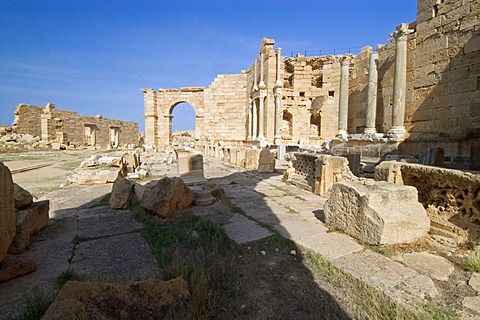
[182,124]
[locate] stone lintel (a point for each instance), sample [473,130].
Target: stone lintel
[192,89]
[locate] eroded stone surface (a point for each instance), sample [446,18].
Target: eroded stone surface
[380,213]
[122,191]
[105,258]
[7,210]
[22,197]
[166,197]
[434,266]
[474,281]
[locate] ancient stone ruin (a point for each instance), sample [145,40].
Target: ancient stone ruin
[61,129]
[418,91]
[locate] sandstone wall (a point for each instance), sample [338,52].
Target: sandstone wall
[446,105]
[226,106]
[27,120]
[68,126]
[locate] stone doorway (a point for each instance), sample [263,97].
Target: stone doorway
[182,127]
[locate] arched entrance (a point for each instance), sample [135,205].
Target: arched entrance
[182,127]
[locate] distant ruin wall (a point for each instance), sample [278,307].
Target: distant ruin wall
[28,120]
[69,127]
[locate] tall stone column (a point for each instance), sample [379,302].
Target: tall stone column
[261,115]
[399,81]
[255,75]
[278,98]
[254,120]
[343,103]
[250,121]
[261,101]
[372,95]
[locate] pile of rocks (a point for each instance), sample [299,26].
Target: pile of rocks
[99,169]
[15,141]
[20,218]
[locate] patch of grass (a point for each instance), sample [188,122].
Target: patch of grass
[292,211]
[288,193]
[199,251]
[471,262]
[104,201]
[36,304]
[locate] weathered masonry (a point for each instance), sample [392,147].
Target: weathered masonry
[420,90]
[71,128]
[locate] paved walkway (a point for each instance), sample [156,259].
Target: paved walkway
[92,241]
[298,215]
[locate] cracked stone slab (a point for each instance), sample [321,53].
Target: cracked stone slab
[472,303]
[121,258]
[375,269]
[474,281]
[419,286]
[112,223]
[431,265]
[242,230]
[331,245]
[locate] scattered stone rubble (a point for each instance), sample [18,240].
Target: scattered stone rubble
[98,169]
[20,218]
[14,141]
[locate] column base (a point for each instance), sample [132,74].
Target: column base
[263,141]
[277,140]
[396,132]
[369,131]
[342,135]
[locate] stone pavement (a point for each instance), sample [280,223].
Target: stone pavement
[98,243]
[105,244]
[298,215]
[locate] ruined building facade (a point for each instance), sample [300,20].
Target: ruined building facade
[71,128]
[420,90]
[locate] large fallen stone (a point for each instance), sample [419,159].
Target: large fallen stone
[17,265]
[167,197]
[377,212]
[29,222]
[149,299]
[122,191]
[22,197]
[99,176]
[7,210]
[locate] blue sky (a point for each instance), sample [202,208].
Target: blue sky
[94,56]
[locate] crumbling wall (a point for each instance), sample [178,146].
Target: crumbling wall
[68,127]
[311,94]
[452,196]
[27,120]
[445,107]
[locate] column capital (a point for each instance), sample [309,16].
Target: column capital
[401,32]
[345,60]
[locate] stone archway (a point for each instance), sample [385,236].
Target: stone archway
[186,120]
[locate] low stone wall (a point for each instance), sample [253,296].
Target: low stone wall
[316,172]
[245,157]
[452,197]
